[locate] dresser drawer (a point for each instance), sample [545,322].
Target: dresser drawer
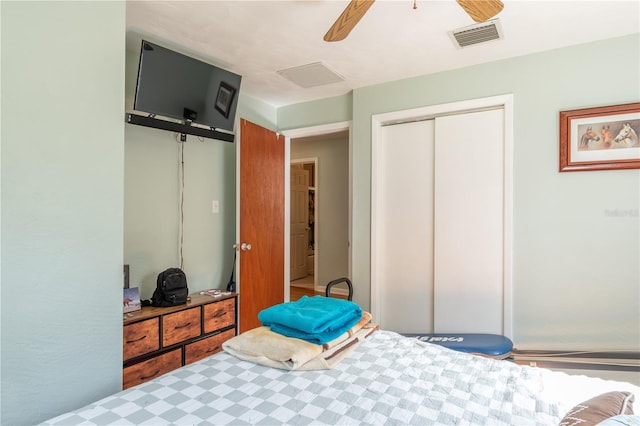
[180,326]
[219,315]
[152,368]
[203,348]
[140,338]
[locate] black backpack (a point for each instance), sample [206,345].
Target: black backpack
[231,285]
[171,288]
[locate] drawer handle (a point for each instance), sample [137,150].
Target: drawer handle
[213,350]
[150,376]
[218,314]
[137,340]
[182,326]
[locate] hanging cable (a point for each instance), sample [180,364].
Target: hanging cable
[181,212]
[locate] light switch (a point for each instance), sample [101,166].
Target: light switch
[215,206]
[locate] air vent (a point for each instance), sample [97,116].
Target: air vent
[311,75]
[476,34]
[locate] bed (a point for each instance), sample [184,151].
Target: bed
[387,379]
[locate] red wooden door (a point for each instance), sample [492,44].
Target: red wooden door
[261,264]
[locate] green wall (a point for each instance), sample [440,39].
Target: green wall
[153,203]
[153,200]
[331,202]
[323,111]
[65,207]
[576,276]
[62,201]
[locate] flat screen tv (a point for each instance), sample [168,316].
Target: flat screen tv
[177,86]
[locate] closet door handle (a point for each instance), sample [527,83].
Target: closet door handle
[245,247]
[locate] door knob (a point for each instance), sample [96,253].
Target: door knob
[245,247]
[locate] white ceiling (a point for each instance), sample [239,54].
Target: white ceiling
[393,41]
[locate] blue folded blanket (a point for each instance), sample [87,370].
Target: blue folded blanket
[315,319]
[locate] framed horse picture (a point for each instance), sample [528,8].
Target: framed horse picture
[602,138]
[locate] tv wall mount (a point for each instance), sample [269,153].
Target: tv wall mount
[182,128]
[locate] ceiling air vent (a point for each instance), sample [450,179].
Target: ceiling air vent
[475,34]
[311,75]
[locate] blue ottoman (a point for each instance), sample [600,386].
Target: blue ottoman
[488,345]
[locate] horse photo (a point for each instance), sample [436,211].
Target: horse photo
[607,137]
[626,136]
[587,137]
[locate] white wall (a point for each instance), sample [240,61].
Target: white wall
[576,275]
[62,202]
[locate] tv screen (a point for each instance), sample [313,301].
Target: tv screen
[174,85]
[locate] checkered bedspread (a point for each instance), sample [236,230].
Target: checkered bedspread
[388,379]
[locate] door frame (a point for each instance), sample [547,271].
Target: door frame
[429,112]
[319,130]
[314,161]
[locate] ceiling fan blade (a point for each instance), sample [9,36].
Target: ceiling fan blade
[481,10]
[351,15]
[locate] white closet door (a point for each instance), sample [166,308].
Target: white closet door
[468,214]
[404,210]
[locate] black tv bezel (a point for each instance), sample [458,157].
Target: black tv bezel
[150,119]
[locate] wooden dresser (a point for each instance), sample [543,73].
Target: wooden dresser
[158,340]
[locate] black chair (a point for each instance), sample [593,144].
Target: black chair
[338,281]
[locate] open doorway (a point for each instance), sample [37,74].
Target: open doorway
[319,187]
[303,227]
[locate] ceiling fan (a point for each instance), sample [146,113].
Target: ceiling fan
[478,10]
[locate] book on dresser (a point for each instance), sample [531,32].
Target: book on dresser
[158,340]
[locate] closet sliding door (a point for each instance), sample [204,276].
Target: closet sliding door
[468,223]
[438,224]
[404,211]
